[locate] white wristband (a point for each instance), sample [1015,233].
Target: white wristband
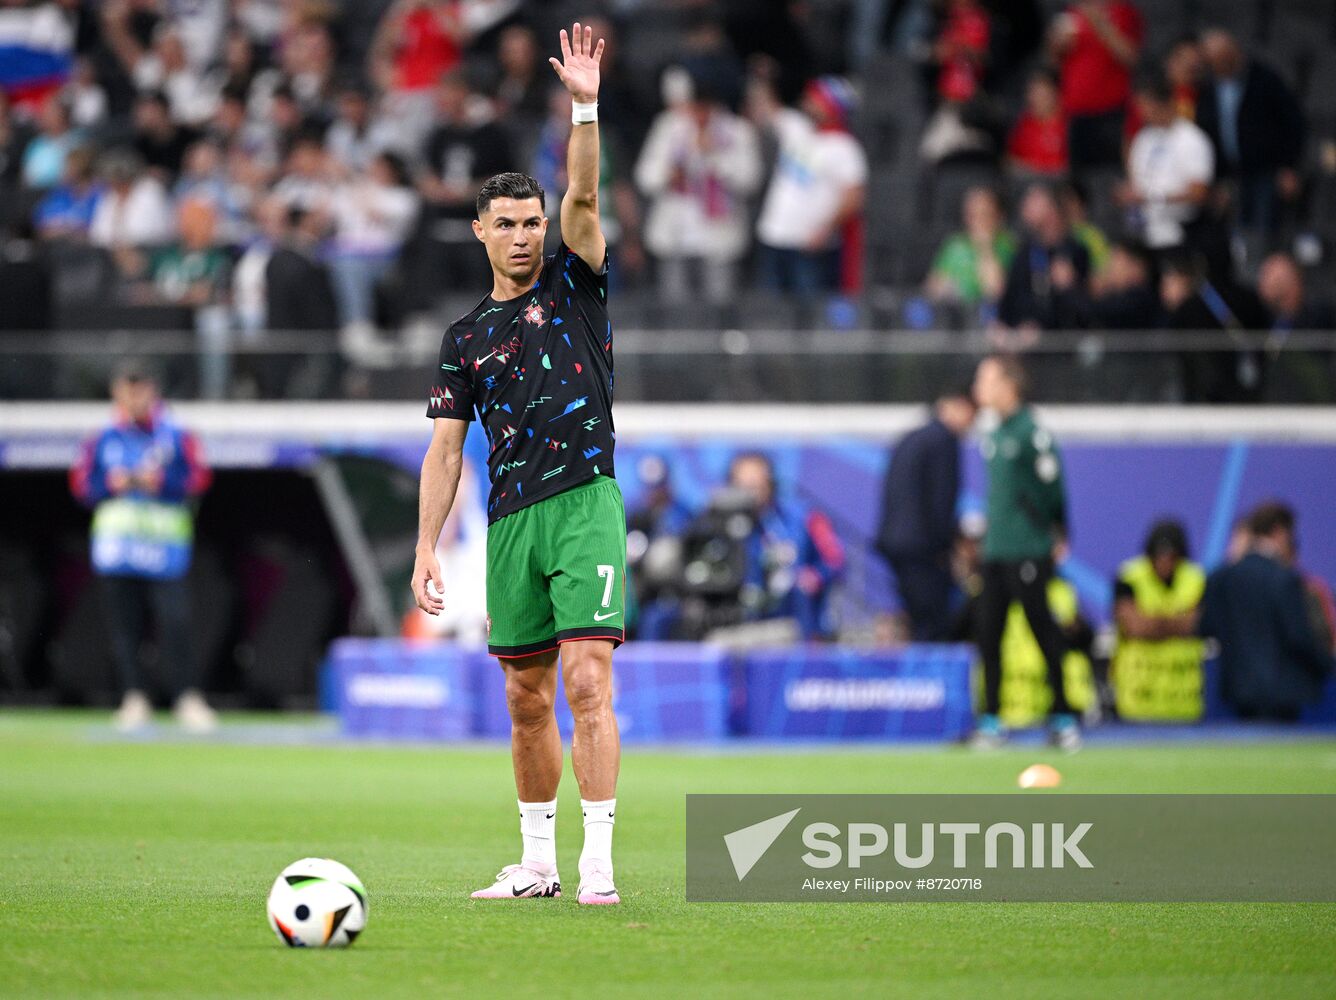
[583,114]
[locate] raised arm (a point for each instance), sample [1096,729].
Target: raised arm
[436,495]
[578,70]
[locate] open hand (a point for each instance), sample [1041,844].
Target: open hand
[578,66]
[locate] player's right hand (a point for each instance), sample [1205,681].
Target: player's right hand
[426,570]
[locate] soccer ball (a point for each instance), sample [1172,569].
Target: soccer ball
[317,903]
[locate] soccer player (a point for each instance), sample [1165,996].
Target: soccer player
[534,359]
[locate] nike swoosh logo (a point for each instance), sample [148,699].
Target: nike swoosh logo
[550,815]
[478,364]
[521,892]
[598,617]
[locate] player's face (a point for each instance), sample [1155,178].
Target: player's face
[513,231]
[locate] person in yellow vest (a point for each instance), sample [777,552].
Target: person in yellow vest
[1157,666]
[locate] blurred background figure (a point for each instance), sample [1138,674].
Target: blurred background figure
[793,556]
[1048,274]
[918,514]
[816,192]
[1257,126]
[1272,662]
[1027,535]
[140,476]
[1095,44]
[971,266]
[699,165]
[1156,672]
[1037,144]
[1170,167]
[654,548]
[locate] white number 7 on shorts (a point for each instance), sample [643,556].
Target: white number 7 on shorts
[609,573]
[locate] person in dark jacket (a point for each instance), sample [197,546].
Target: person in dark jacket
[1271,662]
[918,514]
[1047,277]
[1194,302]
[1256,125]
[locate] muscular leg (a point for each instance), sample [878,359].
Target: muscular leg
[535,744]
[596,750]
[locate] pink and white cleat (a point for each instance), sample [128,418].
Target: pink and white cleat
[596,888]
[521,882]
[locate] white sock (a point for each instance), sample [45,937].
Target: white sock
[538,827]
[598,821]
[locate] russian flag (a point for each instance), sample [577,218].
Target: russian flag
[36,52]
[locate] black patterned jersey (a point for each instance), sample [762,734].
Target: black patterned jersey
[538,371]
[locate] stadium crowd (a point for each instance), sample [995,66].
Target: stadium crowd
[241,166]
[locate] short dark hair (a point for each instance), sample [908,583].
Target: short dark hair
[1270,517]
[1153,83]
[1167,535]
[509,185]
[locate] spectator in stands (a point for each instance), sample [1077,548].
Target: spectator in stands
[85,97]
[308,62]
[1170,167]
[204,177]
[1096,44]
[191,95]
[1047,278]
[814,206]
[793,557]
[971,266]
[1193,300]
[249,294]
[1271,661]
[521,91]
[698,167]
[1157,669]
[140,476]
[1283,291]
[357,136]
[465,149]
[1074,198]
[299,295]
[133,209]
[417,44]
[1038,141]
[1257,126]
[193,273]
[1185,68]
[44,155]
[14,138]
[918,514]
[306,182]
[1295,376]
[1125,297]
[66,212]
[159,141]
[373,214]
[960,51]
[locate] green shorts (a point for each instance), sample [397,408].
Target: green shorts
[556,571]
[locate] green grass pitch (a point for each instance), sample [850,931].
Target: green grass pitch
[141,868]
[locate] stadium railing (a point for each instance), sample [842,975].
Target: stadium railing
[696,366]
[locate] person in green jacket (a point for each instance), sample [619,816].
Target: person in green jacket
[1027,532]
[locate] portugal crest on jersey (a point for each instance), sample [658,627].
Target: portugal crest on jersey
[534,314]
